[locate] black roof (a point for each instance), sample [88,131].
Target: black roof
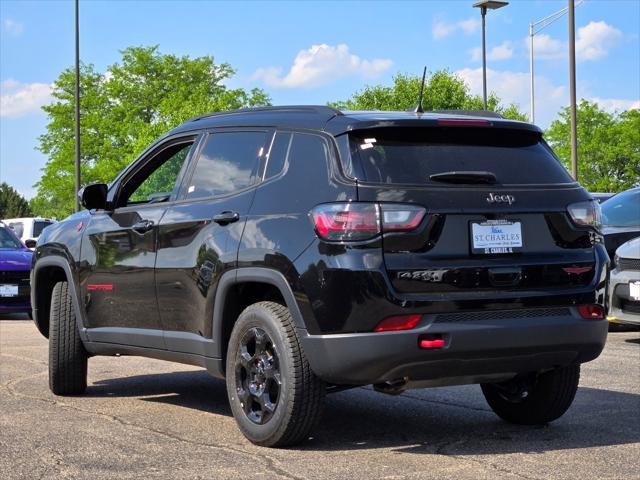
[331,120]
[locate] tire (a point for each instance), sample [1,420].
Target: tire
[275,397]
[67,356]
[549,396]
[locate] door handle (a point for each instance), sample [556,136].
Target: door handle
[143,226]
[226,217]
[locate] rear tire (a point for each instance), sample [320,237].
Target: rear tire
[67,356]
[548,396]
[275,397]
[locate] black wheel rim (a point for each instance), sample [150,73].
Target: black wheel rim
[258,380]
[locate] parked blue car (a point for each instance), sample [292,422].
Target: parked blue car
[15,267]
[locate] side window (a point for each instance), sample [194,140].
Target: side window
[227,163]
[308,148]
[278,154]
[18,228]
[156,181]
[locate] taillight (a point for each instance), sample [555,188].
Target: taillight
[591,312]
[397,323]
[400,218]
[358,221]
[586,214]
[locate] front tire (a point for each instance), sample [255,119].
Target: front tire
[534,400]
[67,356]
[275,397]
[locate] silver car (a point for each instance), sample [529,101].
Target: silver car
[624,287]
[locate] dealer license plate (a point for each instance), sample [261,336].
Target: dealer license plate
[8,290]
[496,236]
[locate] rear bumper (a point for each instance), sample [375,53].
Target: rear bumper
[623,308]
[475,349]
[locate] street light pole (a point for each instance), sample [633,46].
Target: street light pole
[572,88]
[77,107]
[485,5]
[483,13]
[534,29]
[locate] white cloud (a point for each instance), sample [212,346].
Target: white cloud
[513,87]
[18,99]
[320,65]
[545,47]
[442,28]
[595,40]
[12,27]
[616,104]
[504,51]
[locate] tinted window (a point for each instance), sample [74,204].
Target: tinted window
[623,210]
[411,155]
[278,154]
[7,240]
[308,148]
[17,227]
[38,226]
[158,182]
[227,163]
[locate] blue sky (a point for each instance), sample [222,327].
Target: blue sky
[314,52]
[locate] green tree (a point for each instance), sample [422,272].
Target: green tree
[12,204]
[443,91]
[608,146]
[122,111]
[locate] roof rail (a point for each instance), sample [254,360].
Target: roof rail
[471,113]
[320,109]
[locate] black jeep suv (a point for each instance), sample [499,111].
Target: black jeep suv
[300,250]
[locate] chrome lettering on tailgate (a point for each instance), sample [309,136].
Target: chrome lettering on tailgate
[433,276]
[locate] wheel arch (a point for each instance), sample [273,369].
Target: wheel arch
[240,288]
[46,273]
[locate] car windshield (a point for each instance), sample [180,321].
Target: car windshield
[623,210]
[8,241]
[18,227]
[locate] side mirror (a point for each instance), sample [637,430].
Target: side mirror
[31,243]
[93,196]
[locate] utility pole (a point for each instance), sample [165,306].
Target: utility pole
[572,88]
[77,107]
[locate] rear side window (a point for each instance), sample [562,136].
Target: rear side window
[39,225]
[412,155]
[308,148]
[227,163]
[278,154]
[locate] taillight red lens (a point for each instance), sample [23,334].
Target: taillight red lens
[359,221]
[346,221]
[463,122]
[398,322]
[591,312]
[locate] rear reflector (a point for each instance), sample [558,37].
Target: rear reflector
[399,322]
[591,312]
[429,342]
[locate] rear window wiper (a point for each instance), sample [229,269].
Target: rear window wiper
[464,177]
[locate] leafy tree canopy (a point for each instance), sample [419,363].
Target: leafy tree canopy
[443,91]
[12,204]
[608,146]
[122,111]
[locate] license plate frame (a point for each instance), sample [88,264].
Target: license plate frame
[8,290]
[484,241]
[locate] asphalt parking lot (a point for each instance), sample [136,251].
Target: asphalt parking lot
[144,418]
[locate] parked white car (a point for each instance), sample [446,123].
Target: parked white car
[28,229]
[624,286]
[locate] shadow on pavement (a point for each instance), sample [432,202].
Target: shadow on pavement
[362,419]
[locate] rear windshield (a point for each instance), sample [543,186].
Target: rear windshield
[412,155]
